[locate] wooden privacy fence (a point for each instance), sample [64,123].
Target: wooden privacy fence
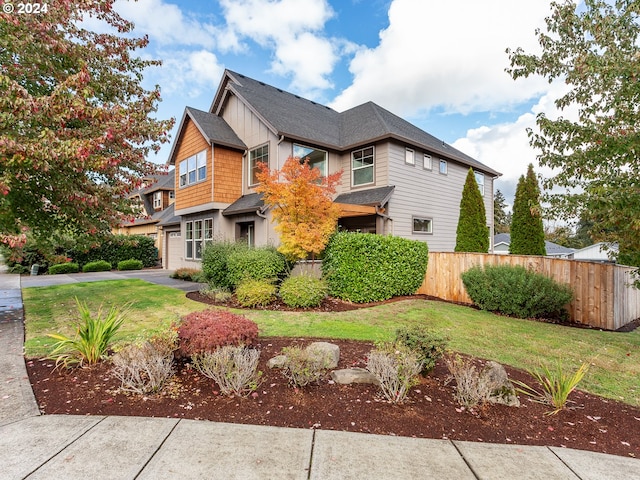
[603,294]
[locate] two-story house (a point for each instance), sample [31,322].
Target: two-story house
[154,202]
[397,179]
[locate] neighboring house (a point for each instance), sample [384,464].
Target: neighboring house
[397,179]
[154,200]
[502,241]
[599,252]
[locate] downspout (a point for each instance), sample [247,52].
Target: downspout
[280,140]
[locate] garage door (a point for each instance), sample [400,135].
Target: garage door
[174,251]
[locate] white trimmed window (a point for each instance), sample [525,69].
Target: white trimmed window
[409,157]
[422,225]
[197,239]
[317,158]
[193,169]
[480,181]
[208,230]
[257,155]
[157,200]
[444,167]
[427,164]
[188,239]
[362,167]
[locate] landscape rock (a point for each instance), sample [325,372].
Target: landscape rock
[277,362]
[326,350]
[502,390]
[347,376]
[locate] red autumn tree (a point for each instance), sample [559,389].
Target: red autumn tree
[302,206]
[76,125]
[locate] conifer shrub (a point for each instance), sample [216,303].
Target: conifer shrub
[303,291]
[429,346]
[131,264]
[255,293]
[516,291]
[201,332]
[472,234]
[97,266]
[362,267]
[61,268]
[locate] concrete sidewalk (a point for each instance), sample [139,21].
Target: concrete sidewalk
[74,447]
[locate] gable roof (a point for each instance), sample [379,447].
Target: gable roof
[212,127]
[552,248]
[297,118]
[372,196]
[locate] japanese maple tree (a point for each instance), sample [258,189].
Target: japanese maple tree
[302,206]
[76,125]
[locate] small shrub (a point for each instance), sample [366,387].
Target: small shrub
[362,267]
[516,291]
[233,368]
[214,262]
[303,291]
[472,389]
[201,332]
[18,269]
[556,385]
[396,368]
[62,268]
[94,335]
[304,366]
[427,345]
[187,274]
[144,367]
[255,293]
[131,264]
[97,266]
[263,263]
[218,295]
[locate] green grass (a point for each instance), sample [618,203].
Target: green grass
[614,357]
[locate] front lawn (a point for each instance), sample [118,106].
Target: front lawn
[614,357]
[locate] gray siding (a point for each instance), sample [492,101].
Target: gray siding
[429,194]
[381,170]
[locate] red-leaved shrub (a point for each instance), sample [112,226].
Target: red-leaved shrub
[201,332]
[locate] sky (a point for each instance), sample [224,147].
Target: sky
[438,64]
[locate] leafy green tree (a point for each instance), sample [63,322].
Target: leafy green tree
[76,125]
[594,50]
[527,230]
[472,234]
[501,218]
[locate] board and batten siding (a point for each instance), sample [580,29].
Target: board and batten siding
[381,171]
[429,194]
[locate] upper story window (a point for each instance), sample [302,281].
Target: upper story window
[480,181]
[409,157]
[427,164]
[257,155]
[317,158]
[193,169]
[157,200]
[362,166]
[444,167]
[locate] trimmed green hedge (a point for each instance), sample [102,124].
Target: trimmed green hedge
[116,248]
[263,263]
[516,291]
[97,266]
[363,267]
[63,268]
[130,264]
[214,262]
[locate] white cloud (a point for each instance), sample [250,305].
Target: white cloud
[292,29]
[447,54]
[166,24]
[189,73]
[505,147]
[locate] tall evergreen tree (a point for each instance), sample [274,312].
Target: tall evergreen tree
[472,234]
[501,219]
[527,230]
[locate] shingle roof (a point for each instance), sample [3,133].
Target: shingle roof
[301,119]
[168,216]
[372,196]
[245,204]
